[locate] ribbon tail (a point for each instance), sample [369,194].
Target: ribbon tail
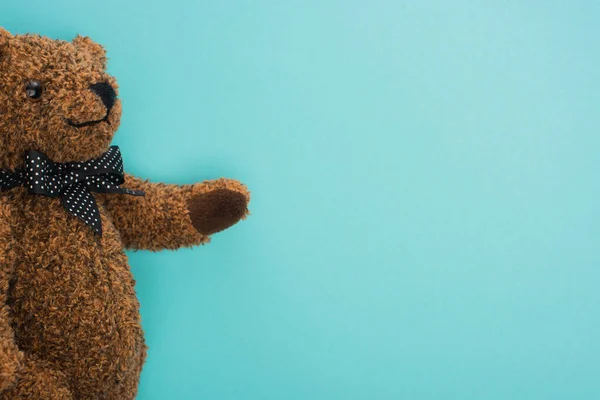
[78,201]
[10,179]
[131,192]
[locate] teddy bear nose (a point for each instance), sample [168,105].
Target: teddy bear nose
[106,93]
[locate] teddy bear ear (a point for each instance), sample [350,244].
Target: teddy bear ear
[94,49]
[4,38]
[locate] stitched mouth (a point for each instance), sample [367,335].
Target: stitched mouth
[88,123]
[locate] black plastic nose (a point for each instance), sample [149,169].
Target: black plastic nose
[106,93]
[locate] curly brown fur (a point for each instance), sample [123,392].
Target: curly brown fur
[69,318]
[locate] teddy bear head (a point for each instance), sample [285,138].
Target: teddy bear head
[55,98]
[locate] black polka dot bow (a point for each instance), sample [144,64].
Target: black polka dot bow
[73,182]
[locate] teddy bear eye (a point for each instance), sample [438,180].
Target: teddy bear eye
[33,89]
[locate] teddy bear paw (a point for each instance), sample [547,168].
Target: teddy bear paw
[214,211]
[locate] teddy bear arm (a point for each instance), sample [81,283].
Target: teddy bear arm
[10,356]
[174,216]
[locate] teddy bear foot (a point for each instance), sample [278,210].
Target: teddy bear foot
[217,210]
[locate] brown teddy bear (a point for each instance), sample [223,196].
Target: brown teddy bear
[69,316]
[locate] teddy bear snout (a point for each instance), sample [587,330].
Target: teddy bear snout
[96,103]
[106,93]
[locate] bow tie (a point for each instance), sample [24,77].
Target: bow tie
[73,182]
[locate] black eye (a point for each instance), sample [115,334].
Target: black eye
[33,89]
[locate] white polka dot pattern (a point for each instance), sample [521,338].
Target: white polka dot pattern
[73,182]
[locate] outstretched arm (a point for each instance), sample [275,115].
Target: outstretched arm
[172,216]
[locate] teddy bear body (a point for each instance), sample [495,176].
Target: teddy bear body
[69,318]
[73,301]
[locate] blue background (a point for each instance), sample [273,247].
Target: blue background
[425,214]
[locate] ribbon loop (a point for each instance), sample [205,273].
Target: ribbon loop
[73,182]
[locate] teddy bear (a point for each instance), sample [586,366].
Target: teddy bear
[69,316]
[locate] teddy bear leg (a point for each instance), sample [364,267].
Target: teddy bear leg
[38,381]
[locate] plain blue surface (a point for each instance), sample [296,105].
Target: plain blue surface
[425,214]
